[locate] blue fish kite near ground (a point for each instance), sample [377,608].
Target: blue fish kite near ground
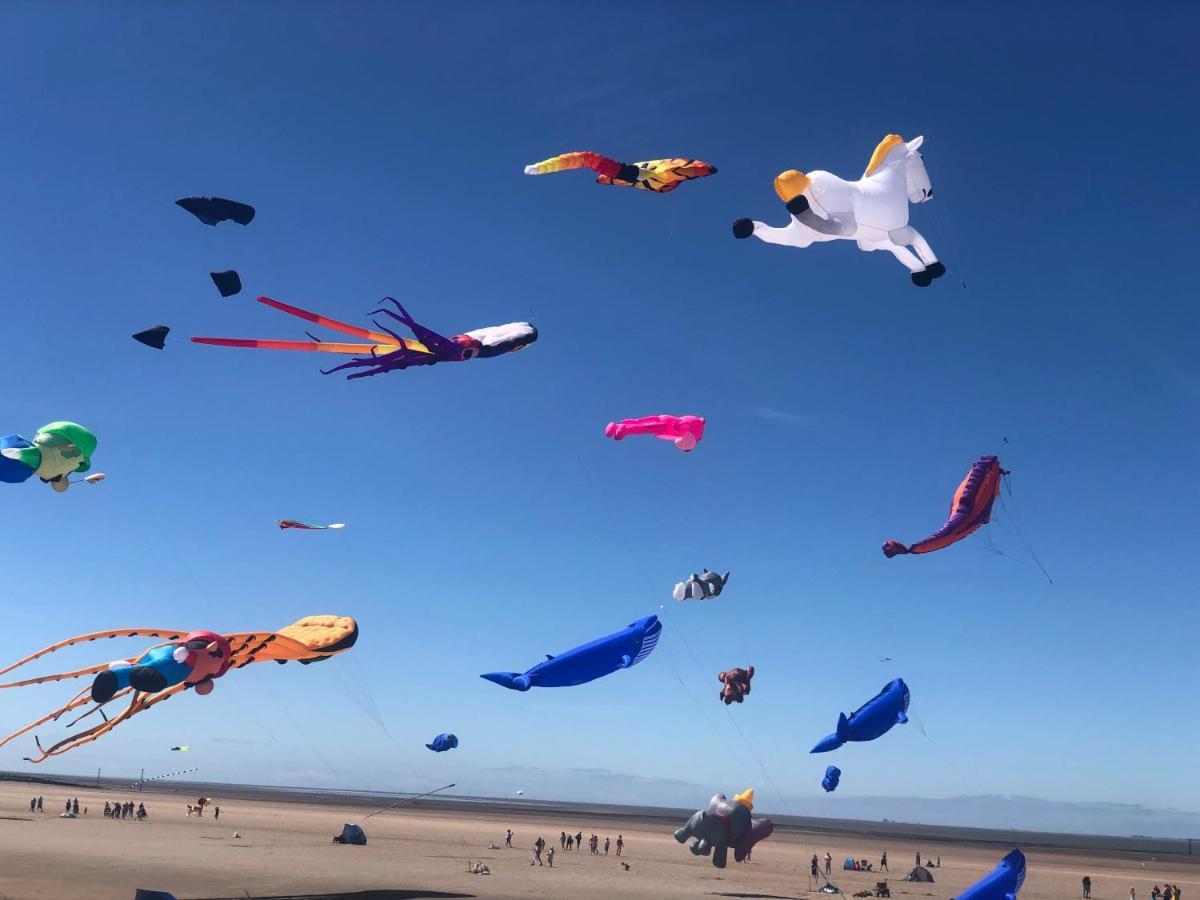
[443,742]
[1002,883]
[832,776]
[585,663]
[871,720]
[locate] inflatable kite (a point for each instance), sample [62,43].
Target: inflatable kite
[185,660]
[442,743]
[57,451]
[970,508]
[228,283]
[211,210]
[736,684]
[304,526]
[590,661]
[872,211]
[658,175]
[832,776]
[871,720]
[701,587]
[183,748]
[388,351]
[724,824]
[1002,883]
[685,431]
[155,337]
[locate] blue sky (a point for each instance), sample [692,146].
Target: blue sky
[489,520]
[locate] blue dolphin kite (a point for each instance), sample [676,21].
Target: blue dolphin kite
[1002,883]
[443,742]
[585,663]
[832,776]
[871,720]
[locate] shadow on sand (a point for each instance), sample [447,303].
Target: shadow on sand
[750,896]
[356,895]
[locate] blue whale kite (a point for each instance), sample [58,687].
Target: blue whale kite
[832,776]
[1002,883]
[585,663]
[443,742]
[871,720]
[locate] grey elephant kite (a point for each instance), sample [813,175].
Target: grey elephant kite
[722,824]
[701,587]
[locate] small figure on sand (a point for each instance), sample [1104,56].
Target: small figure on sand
[620,846]
[550,856]
[75,806]
[40,805]
[579,840]
[816,867]
[1087,888]
[883,862]
[607,841]
[829,862]
[594,844]
[570,842]
[216,813]
[538,845]
[562,840]
[508,839]
[918,857]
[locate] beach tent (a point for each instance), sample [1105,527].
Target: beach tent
[920,873]
[353,834]
[848,865]
[143,894]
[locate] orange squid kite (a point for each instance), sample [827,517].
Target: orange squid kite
[184,660]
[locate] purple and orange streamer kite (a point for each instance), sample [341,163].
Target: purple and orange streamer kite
[970,509]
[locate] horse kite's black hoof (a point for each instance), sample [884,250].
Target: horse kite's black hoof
[922,278]
[935,270]
[797,205]
[743,228]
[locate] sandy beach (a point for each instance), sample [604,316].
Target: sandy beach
[285,850]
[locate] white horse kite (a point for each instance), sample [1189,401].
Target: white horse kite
[872,211]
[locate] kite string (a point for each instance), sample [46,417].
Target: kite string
[683,638]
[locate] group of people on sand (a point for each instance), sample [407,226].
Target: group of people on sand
[1166,892]
[863,865]
[567,842]
[70,807]
[125,811]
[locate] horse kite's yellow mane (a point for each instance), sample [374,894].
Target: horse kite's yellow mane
[885,147]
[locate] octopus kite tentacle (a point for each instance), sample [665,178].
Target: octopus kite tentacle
[137,705]
[165,633]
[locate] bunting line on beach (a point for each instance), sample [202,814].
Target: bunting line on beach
[168,775]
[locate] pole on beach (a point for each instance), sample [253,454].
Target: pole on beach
[405,799]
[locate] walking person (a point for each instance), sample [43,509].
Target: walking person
[550,856]
[33,804]
[620,844]
[828,863]
[606,842]
[1087,888]
[508,839]
[68,807]
[579,840]
[537,852]
[216,813]
[1132,894]
[816,871]
[75,807]
[40,805]
[570,842]
[562,840]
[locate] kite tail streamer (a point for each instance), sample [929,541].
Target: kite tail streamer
[584,159]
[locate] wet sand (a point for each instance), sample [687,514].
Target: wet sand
[285,851]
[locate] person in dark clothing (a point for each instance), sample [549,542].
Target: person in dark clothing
[40,805]
[816,866]
[1087,888]
[579,841]
[883,862]
[75,806]
[570,842]
[216,813]
[620,844]
[68,806]
[562,840]
[918,857]
[33,804]
[508,838]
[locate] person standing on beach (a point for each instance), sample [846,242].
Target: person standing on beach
[620,844]
[1087,888]
[33,804]
[508,839]
[606,842]
[828,863]
[550,856]
[816,867]
[579,840]
[537,852]
[216,813]
[1132,894]
[570,842]
[918,857]
[75,806]
[68,807]
[883,862]
[562,840]
[40,805]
